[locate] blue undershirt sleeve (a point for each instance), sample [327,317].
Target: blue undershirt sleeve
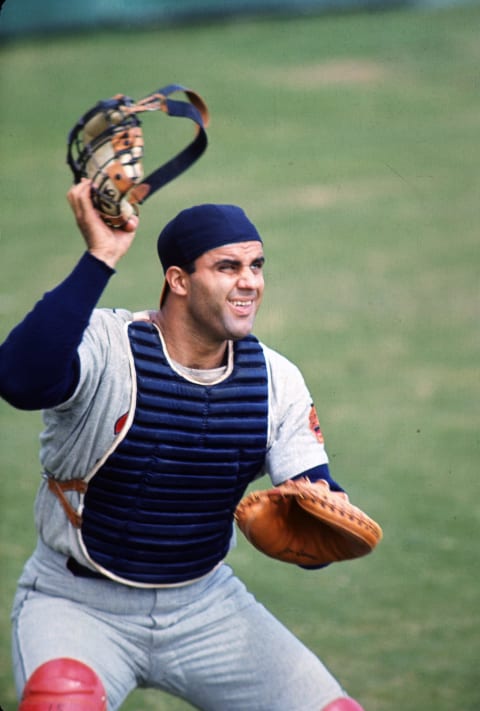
[320,472]
[39,365]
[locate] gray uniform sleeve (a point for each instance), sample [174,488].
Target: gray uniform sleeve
[295,441]
[80,430]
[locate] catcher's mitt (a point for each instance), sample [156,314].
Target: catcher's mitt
[106,145]
[306,523]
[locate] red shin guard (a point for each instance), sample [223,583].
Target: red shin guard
[343,704]
[63,685]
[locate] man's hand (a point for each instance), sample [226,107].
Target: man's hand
[104,242]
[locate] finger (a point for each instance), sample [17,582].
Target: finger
[131,224]
[79,198]
[78,188]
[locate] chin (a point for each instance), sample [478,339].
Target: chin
[237,334]
[238,329]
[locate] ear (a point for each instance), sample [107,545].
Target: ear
[177,280]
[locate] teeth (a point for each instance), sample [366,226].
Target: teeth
[242,303]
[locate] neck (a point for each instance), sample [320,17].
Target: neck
[187,348]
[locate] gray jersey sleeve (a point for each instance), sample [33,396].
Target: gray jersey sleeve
[295,441]
[79,431]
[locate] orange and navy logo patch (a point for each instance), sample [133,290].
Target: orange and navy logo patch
[315,424]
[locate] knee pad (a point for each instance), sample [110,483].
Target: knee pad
[344,704]
[63,685]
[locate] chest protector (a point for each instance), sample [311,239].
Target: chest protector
[160,510]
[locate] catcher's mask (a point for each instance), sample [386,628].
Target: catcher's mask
[106,145]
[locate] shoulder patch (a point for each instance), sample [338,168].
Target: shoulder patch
[315,424]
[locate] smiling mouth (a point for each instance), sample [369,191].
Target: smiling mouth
[241,303]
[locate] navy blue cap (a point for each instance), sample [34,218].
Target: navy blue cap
[198,229]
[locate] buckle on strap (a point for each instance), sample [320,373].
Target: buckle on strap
[59,487]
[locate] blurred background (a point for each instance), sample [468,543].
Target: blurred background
[348,130]
[30,16]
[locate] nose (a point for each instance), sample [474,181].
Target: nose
[247,279]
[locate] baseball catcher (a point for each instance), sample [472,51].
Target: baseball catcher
[155,423]
[306,523]
[106,145]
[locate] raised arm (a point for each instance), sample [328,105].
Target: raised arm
[39,365]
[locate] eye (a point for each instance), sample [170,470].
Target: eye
[227,267]
[257,265]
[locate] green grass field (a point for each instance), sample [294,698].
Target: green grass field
[353,143]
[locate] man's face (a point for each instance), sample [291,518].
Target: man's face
[225,290]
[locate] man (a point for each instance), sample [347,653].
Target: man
[155,423]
